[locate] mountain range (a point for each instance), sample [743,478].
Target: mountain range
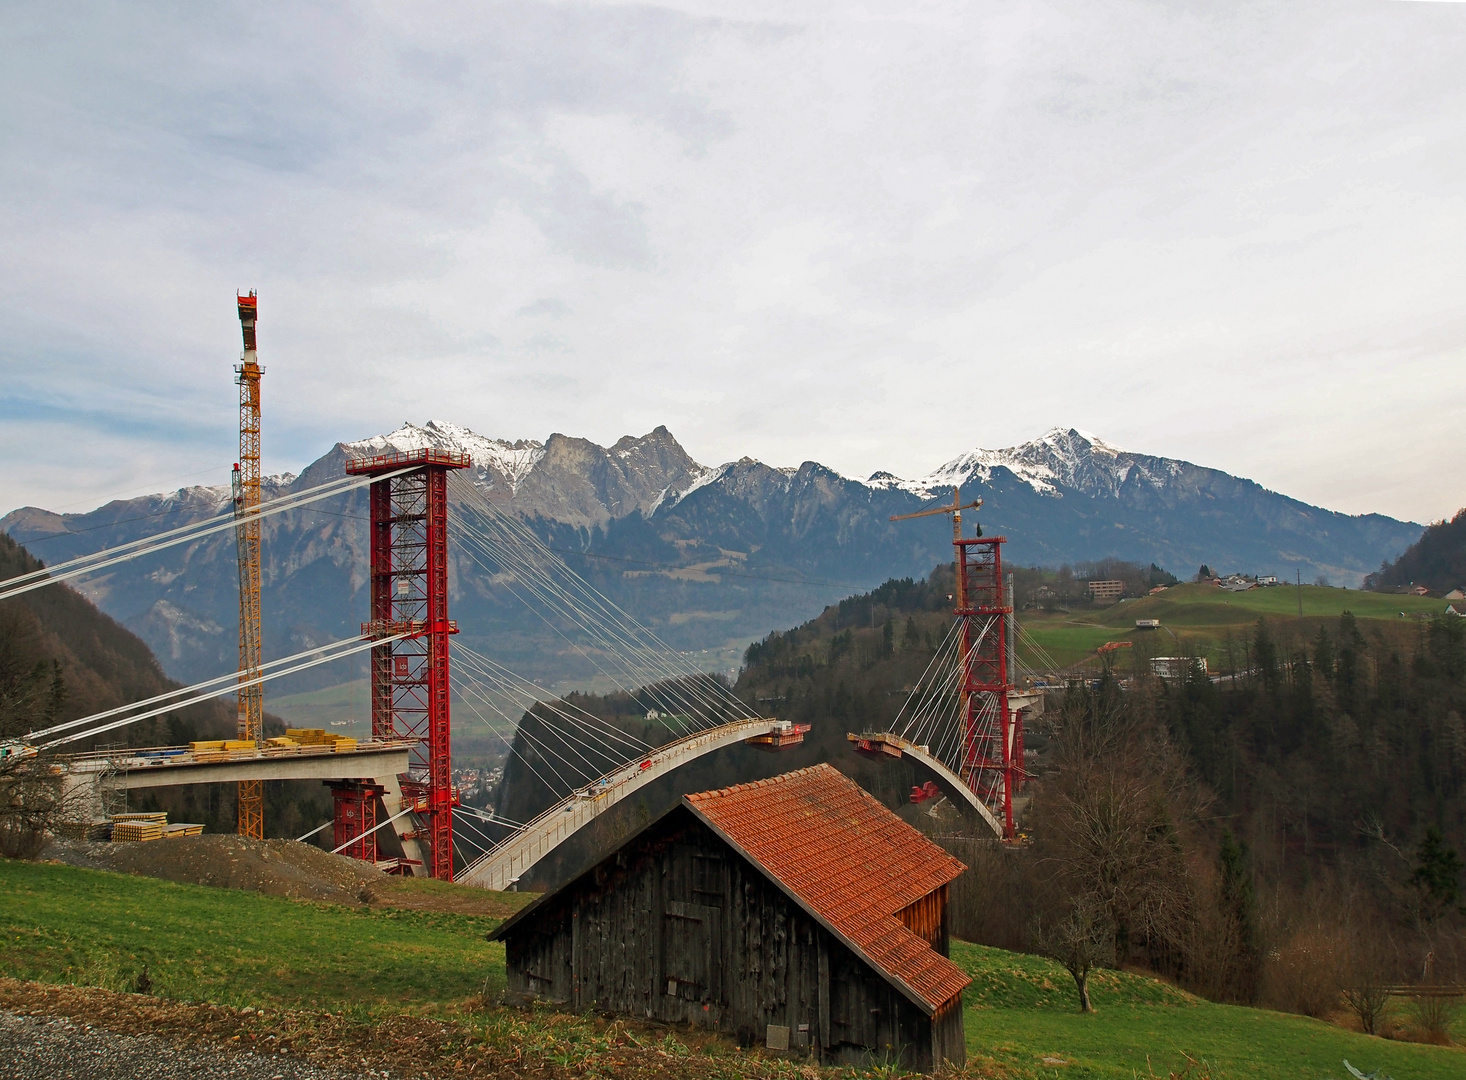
[709,558]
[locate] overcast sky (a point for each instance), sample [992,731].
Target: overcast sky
[873,236]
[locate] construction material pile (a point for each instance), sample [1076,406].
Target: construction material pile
[315,736]
[218,749]
[139,828]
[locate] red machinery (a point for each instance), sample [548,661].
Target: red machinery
[409,595]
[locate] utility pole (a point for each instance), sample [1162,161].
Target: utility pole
[1298,576]
[251,699]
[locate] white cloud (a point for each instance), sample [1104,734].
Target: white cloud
[872,237]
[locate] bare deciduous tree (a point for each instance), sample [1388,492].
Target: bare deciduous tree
[1106,822]
[32,800]
[1082,938]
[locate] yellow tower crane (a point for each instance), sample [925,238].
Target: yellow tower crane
[251,699]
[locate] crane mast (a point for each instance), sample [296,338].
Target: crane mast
[251,699]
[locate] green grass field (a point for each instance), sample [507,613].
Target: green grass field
[61,924]
[1022,1009]
[1197,620]
[64,925]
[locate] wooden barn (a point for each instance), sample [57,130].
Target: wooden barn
[797,912]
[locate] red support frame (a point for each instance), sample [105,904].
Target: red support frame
[409,595]
[354,806]
[992,757]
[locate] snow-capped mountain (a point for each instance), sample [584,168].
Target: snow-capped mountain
[496,462]
[708,557]
[1061,458]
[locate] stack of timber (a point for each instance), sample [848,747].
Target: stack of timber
[218,749]
[138,828]
[317,737]
[85,830]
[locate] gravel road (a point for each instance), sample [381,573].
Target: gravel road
[39,1048]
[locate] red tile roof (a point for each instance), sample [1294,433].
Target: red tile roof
[848,861]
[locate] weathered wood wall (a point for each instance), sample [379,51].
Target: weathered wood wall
[680,928]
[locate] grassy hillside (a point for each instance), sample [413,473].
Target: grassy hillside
[61,924]
[1021,1011]
[1202,617]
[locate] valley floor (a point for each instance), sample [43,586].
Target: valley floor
[407,990]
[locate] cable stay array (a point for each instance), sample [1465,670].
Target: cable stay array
[207,690]
[625,652]
[184,534]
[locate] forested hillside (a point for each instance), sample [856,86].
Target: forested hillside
[62,659]
[1276,833]
[1437,560]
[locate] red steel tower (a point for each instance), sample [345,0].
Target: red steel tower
[992,757]
[992,733]
[409,595]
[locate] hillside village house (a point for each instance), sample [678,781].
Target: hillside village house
[797,912]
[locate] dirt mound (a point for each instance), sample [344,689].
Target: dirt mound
[275,867]
[281,868]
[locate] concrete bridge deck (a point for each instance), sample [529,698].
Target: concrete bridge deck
[164,766]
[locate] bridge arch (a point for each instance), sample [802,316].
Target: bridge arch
[952,785]
[501,867]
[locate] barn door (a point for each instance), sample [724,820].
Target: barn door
[692,950]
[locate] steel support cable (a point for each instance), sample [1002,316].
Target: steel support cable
[115,724]
[588,722]
[937,728]
[319,828]
[381,825]
[597,733]
[557,704]
[614,615]
[919,692]
[932,693]
[609,647]
[562,756]
[490,817]
[547,756]
[479,848]
[469,821]
[926,723]
[49,576]
[540,695]
[142,541]
[233,677]
[463,859]
[673,696]
[549,764]
[1043,654]
[634,679]
[526,580]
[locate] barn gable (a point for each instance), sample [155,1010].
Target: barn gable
[850,863]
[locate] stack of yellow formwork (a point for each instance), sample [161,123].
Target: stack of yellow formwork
[218,749]
[139,827]
[320,737]
[183,829]
[208,750]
